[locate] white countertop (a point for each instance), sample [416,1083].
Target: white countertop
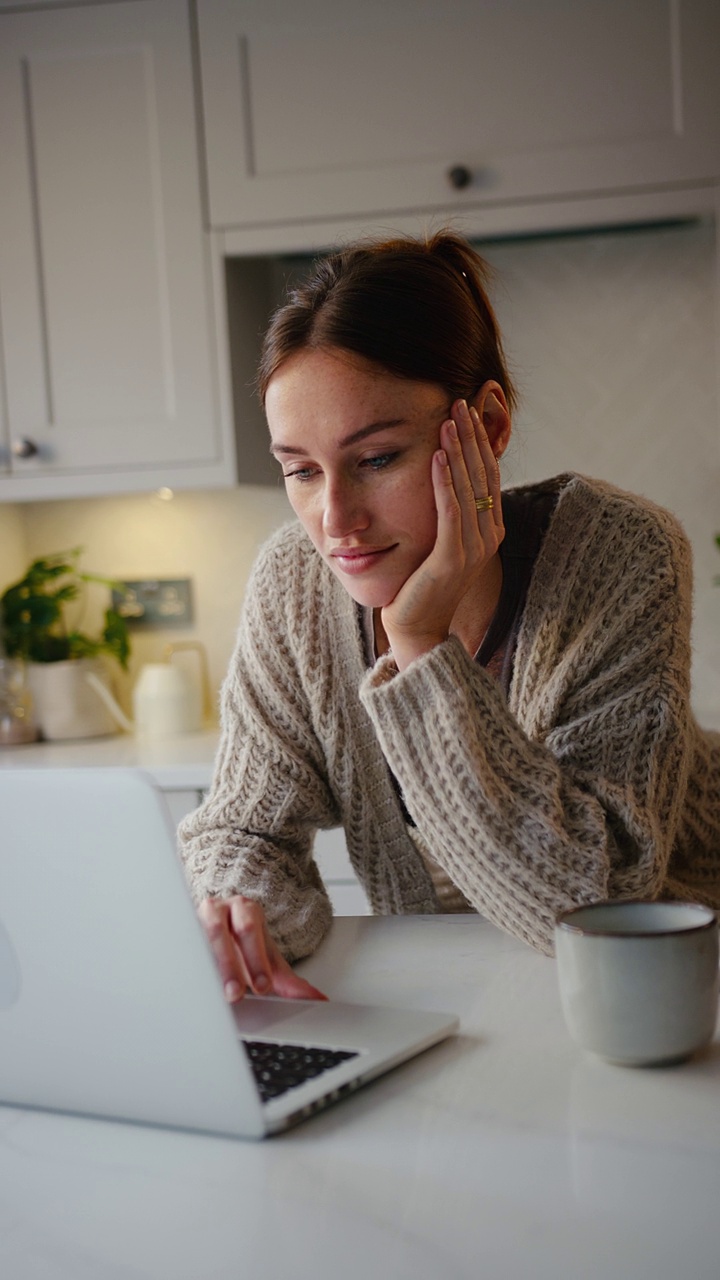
[505,1153]
[177,762]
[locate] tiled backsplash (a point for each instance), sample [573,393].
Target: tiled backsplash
[613,341]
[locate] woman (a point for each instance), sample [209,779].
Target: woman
[489,690]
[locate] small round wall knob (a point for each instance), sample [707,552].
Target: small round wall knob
[24,448]
[459,176]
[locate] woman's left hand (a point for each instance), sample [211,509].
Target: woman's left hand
[464,471]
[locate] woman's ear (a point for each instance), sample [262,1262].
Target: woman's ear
[492,406]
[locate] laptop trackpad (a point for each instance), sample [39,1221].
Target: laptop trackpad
[257,1013]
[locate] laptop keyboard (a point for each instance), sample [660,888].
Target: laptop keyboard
[280,1067]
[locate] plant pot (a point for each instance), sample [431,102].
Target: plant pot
[66,705]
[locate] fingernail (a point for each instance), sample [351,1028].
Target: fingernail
[452,431]
[262,982]
[232,990]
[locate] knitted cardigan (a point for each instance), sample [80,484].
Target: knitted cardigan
[591,781]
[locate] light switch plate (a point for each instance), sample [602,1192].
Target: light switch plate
[155,603]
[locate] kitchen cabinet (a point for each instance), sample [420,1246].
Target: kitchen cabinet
[333,109]
[344,889]
[181,801]
[110,331]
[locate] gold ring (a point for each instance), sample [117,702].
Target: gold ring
[484,504]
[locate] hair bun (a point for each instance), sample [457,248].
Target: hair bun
[417,307]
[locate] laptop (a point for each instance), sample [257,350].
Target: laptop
[110,1002]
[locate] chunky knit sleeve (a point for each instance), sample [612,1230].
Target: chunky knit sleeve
[254,833]
[573,791]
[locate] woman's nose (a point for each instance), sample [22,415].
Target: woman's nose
[343,512]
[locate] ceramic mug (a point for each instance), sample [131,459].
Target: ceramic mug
[639,980]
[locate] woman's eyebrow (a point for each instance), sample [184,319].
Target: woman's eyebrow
[353,438]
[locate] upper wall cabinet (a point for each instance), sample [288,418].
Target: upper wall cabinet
[336,108]
[107,325]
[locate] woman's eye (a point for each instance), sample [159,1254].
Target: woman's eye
[378,461]
[375,462]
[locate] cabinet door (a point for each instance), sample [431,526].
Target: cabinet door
[338,108]
[181,801]
[108,356]
[344,889]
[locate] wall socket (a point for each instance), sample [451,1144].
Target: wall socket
[154,603]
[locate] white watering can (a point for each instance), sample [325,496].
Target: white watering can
[167,700]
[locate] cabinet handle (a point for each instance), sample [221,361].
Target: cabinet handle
[24,448]
[459,176]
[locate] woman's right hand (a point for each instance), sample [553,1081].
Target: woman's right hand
[246,955]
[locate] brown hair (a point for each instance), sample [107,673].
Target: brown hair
[417,307]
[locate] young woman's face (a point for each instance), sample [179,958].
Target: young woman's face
[355,444]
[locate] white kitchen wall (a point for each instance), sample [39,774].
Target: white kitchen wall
[613,340]
[12,544]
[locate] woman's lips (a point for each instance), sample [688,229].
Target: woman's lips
[354,560]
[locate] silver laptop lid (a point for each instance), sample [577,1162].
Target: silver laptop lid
[109,999]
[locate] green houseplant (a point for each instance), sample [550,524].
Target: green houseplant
[34,625]
[35,630]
